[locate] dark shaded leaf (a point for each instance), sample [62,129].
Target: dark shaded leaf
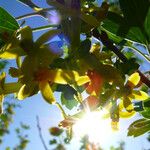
[67,96]
[68,100]
[147,24]
[127,68]
[117,28]
[134,11]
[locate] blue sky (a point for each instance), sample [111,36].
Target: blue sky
[50,115]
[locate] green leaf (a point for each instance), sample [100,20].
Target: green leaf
[54,141]
[147,24]
[7,22]
[3,64]
[146,113]
[117,27]
[47,36]
[110,73]
[91,20]
[134,11]
[8,25]
[7,148]
[26,33]
[139,127]
[84,48]
[67,96]
[146,103]
[69,103]
[126,67]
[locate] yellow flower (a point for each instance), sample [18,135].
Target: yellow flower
[126,108]
[44,77]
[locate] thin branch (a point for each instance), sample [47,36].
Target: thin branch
[61,109]
[44,27]
[103,37]
[139,52]
[40,133]
[37,13]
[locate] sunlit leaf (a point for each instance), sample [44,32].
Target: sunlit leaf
[139,95]
[146,113]
[139,127]
[7,21]
[47,92]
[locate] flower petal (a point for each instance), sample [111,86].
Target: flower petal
[67,77]
[115,125]
[23,92]
[47,92]
[133,80]
[125,114]
[139,95]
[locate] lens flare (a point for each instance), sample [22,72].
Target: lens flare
[94,126]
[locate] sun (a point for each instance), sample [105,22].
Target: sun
[94,126]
